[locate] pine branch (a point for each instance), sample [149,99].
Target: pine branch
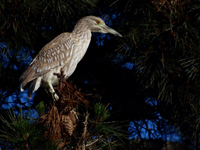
[85,130]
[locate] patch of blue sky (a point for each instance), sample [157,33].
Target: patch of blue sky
[148,129]
[24,55]
[23,97]
[3,45]
[175,136]
[127,47]
[142,127]
[159,116]
[110,106]
[85,81]
[89,82]
[128,65]
[44,28]
[8,103]
[100,38]
[114,16]
[11,100]
[118,58]
[152,101]
[30,114]
[109,23]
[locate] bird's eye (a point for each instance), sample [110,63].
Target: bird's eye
[98,21]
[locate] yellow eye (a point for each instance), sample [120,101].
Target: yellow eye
[98,21]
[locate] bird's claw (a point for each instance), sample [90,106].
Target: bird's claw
[56,96]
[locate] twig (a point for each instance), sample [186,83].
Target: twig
[60,75]
[85,130]
[91,143]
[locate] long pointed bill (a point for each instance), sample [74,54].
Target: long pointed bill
[110,30]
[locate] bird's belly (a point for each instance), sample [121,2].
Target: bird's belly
[50,77]
[68,70]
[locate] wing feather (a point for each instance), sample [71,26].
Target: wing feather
[55,53]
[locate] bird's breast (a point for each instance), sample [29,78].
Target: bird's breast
[79,49]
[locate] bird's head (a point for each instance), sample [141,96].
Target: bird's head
[96,24]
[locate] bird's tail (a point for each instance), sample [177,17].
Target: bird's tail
[25,78]
[34,86]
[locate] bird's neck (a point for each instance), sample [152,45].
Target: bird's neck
[83,33]
[81,29]
[81,39]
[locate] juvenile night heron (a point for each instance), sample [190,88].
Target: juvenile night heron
[65,51]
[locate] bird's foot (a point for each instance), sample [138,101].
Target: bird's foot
[55,96]
[74,113]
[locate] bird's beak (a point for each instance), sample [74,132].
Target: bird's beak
[110,30]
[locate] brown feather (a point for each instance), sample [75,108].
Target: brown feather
[50,56]
[31,88]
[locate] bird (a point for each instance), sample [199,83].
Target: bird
[64,52]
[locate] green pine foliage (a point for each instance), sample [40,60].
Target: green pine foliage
[111,131]
[20,132]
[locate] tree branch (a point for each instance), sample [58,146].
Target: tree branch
[84,132]
[91,143]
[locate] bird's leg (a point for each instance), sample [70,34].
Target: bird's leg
[52,91]
[75,114]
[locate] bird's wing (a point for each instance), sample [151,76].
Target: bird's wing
[55,53]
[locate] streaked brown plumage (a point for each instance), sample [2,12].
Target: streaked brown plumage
[64,51]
